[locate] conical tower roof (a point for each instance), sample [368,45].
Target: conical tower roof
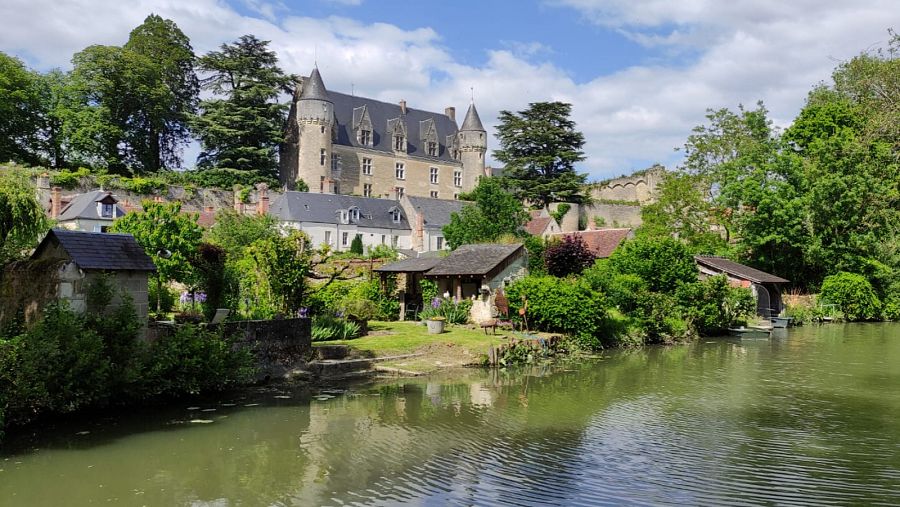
[314,88]
[472,121]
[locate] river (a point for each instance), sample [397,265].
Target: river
[811,418]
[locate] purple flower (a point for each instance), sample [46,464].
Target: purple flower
[436,303]
[304,312]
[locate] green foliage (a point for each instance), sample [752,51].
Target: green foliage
[621,290]
[235,232]
[241,126]
[359,309]
[20,110]
[659,318]
[387,305]
[663,263]
[570,256]
[356,246]
[22,218]
[451,311]
[853,294]
[712,306]
[275,270]
[327,327]
[301,186]
[168,236]
[536,245]
[209,267]
[681,208]
[164,295]
[383,252]
[561,211]
[493,213]
[193,360]
[226,179]
[540,147]
[69,179]
[429,290]
[561,305]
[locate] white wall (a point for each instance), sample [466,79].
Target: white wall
[371,237]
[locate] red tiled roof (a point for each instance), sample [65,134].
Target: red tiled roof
[602,242]
[537,225]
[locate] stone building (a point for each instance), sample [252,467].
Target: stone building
[344,144]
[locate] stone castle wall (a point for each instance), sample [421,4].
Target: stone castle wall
[417,181]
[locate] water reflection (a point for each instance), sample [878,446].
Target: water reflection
[807,418]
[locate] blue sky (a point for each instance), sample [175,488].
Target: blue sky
[639,73]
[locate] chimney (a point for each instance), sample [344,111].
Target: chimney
[451,113]
[418,238]
[403,107]
[262,204]
[55,201]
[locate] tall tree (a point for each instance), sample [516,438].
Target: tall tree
[540,148]
[19,111]
[162,118]
[242,130]
[493,213]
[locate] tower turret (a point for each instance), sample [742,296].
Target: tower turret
[472,147]
[315,116]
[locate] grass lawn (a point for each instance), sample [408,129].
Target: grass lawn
[395,338]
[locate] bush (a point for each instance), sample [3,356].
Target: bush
[451,311]
[659,319]
[535,246]
[712,305]
[227,178]
[356,246]
[664,263]
[193,360]
[853,294]
[167,299]
[561,305]
[383,252]
[621,290]
[69,179]
[570,256]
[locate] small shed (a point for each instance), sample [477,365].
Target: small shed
[471,270]
[84,256]
[766,287]
[412,271]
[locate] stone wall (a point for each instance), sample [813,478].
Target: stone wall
[640,187]
[278,345]
[383,178]
[614,215]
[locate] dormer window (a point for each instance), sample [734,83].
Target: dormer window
[432,149]
[107,210]
[354,214]
[345,216]
[399,143]
[397,129]
[395,215]
[365,137]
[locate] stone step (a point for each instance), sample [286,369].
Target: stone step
[344,367]
[331,351]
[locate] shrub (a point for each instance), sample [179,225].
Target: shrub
[853,294]
[712,305]
[621,290]
[356,246]
[329,327]
[383,252]
[167,296]
[659,320]
[387,305]
[561,305]
[535,246]
[451,311]
[570,256]
[664,263]
[194,360]
[69,179]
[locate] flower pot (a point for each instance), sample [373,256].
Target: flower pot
[436,326]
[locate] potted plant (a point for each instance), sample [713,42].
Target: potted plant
[436,324]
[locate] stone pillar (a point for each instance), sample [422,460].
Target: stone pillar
[262,204]
[55,202]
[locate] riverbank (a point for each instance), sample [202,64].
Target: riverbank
[458,346]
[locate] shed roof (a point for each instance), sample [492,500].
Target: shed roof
[474,260]
[96,250]
[737,270]
[537,225]
[415,265]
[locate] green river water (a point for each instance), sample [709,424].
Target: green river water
[809,418]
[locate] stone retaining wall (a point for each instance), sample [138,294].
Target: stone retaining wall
[279,345]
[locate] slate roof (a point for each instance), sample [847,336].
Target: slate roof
[601,242]
[436,211]
[414,265]
[474,260]
[323,209]
[472,121]
[85,206]
[737,270]
[380,113]
[314,88]
[99,250]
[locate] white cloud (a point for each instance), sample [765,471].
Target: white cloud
[745,51]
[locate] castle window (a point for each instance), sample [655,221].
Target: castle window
[400,171]
[457,178]
[365,137]
[400,192]
[323,156]
[432,148]
[367,166]
[336,163]
[367,190]
[434,174]
[399,142]
[434,194]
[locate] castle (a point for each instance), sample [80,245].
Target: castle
[343,144]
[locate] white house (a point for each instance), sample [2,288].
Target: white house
[93,211]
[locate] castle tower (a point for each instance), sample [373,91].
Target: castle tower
[315,116]
[472,147]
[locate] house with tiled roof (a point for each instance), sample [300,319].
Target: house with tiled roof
[601,242]
[93,211]
[542,224]
[427,218]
